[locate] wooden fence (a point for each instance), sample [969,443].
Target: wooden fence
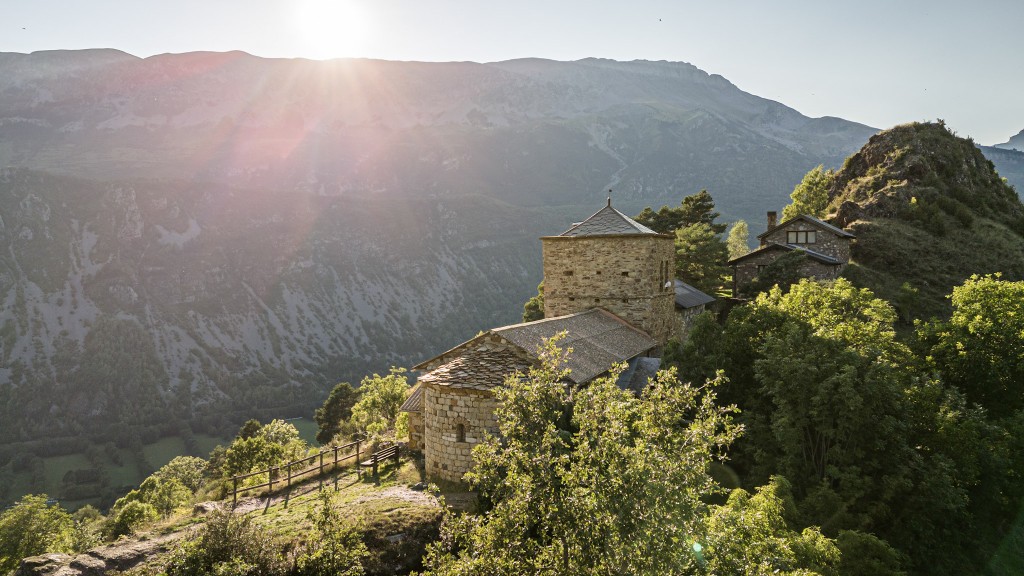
[306,467]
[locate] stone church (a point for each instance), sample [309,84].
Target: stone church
[608,284]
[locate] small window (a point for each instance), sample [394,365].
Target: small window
[625,274]
[802,237]
[567,272]
[460,432]
[760,268]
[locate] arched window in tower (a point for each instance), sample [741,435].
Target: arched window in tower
[460,432]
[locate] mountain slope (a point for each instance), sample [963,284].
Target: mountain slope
[928,210]
[531,132]
[1014,143]
[146,302]
[249,231]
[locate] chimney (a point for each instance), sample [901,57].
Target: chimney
[772,217]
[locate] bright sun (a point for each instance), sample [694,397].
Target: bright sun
[332,28]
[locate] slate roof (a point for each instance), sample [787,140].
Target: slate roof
[597,337]
[598,340]
[688,297]
[638,373]
[414,403]
[480,367]
[823,258]
[812,220]
[608,222]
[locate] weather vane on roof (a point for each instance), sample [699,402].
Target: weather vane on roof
[609,196]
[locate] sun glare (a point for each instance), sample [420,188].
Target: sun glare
[332,28]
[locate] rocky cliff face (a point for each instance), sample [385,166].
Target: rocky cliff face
[141,301]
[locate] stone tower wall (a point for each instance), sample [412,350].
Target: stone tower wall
[626,275]
[444,408]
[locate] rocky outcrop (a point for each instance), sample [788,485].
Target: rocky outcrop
[98,561]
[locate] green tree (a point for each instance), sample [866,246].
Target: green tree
[271,445]
[589,480]
[866,555]
[701,257]
[810,196]
[249,429]
[335,547]
[534,307]
[188,470]
[32,527]
[696,208]
[335,411]
[379,402]
[738,241]
[980,350]
[750,534]
[168,495]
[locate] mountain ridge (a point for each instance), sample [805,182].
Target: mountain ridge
[274,226]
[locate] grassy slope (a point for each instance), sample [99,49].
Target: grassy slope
[888,253]
[381,509]
[929,211]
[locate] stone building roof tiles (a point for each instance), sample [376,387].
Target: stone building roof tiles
[597,337]
[812,220]
[823,258]
[414,403]
[608,222]
[480,367]
[689,297]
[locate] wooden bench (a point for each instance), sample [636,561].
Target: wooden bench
[381,455]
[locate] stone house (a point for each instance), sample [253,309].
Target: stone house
[608,285]
[690,302]
[826,247]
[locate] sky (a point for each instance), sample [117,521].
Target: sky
[878,62]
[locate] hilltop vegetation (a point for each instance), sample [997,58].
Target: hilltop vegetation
[929,210]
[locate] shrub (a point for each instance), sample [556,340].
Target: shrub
[335,548]
[228,545]
[132,516]
[33,527]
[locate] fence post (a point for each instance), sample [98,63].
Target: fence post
[321,463]
[234,492]
[396,458]
[289,476]
[335,457]
[374,460]
[270,480]
[359,467]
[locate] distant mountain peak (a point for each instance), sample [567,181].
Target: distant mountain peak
[1014,143]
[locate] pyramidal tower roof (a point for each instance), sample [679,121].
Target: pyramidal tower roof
[608,222]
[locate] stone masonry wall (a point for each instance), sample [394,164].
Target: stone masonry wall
[684,321]
[444,408]
[744,272]
[827,242]
[626,275]
[415,431]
